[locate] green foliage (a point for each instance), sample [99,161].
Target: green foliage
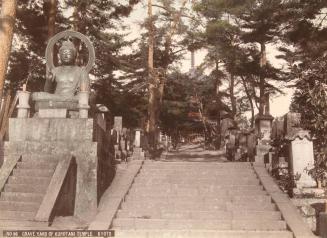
[310,99]
[93,18]
[307,31]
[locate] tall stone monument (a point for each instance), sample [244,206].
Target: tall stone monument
[61,128]
[263,128]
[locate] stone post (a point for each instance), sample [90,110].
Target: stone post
[83,104]
[23,105]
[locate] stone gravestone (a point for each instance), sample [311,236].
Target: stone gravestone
[118,123]
[137,151]
[278,129]
[292,123]
[137,141]
[302,158]
[118,126]
[225,124]
[251,145]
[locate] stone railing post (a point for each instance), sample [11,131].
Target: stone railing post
[23,105]
[83,104]
[323,223]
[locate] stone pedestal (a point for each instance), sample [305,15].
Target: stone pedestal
[261,151]
[301,158]
[56,138]
[138,153]
[52,113]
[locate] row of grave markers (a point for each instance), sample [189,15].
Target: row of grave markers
[283,144]
[280,143]
[127,142]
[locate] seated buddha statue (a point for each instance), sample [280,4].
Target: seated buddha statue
[68,79]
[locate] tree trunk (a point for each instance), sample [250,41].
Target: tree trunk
[232,96]
[263,62]
[152,103]
[51,6]
[8,16]
[168,42]
[247,92]
[52,18]
[218,101]
[76,16]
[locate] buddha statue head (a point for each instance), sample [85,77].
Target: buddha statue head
[67,53]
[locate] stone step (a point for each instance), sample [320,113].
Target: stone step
[213,187]
[200,234]
[19,206]
[171,178]
[251,207]
[190,214]
[193,168]
[206,179]
[22,225]
[162,214]
[215,205]
[21,197]
[195,182]
[17,215]
[35,157]
[199,164]
[37,165]
[257,215]
[158,192]
[253,198]
[25,188]
[159,209]
[176,224]
[220,172]
[34,180]
[196,196]
[147,206]
[34,172]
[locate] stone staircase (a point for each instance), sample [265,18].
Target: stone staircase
[195,199]
[24,191]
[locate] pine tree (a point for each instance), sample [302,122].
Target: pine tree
[307,32]
[8,18]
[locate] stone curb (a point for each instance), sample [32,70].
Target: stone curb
[289,212]
[115,195]
[6,169]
